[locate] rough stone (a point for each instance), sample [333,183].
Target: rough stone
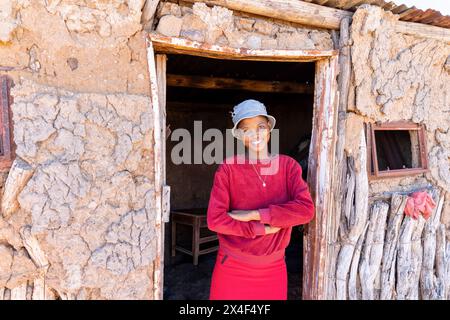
[170,26]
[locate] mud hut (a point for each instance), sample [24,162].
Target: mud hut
[89,89]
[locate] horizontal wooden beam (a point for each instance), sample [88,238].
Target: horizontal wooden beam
[201,82]
[319,16]
[289,10]
[175,45]
[423,30]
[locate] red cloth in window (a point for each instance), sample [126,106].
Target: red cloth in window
[419,203]
[284,202]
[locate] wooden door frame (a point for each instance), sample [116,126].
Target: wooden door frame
[321,154]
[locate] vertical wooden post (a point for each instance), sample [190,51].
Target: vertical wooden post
[339,174]
[320,168]
[157,170]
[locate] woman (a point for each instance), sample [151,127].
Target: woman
[255,201]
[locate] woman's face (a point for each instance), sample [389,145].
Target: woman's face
[254,132]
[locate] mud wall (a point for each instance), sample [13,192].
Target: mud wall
[401,77]
[77,218]
[381,253]
[80,190]
[221,26]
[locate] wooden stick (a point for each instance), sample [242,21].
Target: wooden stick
[354,286]
[19,292]
[373,249]
[355,222]
[176,80]
[428,277]
[339,174]
[396,214]
[423,30]
[442,262]
[416,259]
[404,258]
[18,176]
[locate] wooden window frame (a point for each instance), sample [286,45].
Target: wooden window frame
[373,170]
[6,140]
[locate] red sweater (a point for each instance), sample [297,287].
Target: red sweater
[284,202]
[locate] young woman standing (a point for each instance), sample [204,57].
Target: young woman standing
[255,201]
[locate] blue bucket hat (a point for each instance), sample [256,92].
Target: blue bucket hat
[248,109]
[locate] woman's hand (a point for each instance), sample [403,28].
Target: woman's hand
[270,229]
[245,215]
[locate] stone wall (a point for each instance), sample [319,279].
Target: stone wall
[218,25]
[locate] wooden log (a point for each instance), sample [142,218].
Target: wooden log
[355,223]
[200,82]
[447,254]
[38,289]
[29,290]
[373,250]
[315,15]
[416,259]
[339,174]
[354,286]
[404,259]
[289,10]
[396,214]
[173,45]
[19,292]
[18,176]
[428,277]
[423,30]
[34,249]
[442,262]
[345,254]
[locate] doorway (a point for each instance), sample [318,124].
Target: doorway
[321,152]
[202,91]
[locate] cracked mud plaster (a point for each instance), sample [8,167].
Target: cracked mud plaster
[221,26]
[90,199]
[41,40]
[401,77]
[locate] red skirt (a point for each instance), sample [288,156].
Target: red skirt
[233,279]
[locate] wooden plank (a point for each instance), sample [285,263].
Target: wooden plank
[208,239]
[157,170]
[289,10]
[320,167]
[200,82]
[212,249]
[176,45]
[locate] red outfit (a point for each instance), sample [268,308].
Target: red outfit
[253,256]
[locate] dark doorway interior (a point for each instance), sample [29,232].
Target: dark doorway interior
[192,95]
